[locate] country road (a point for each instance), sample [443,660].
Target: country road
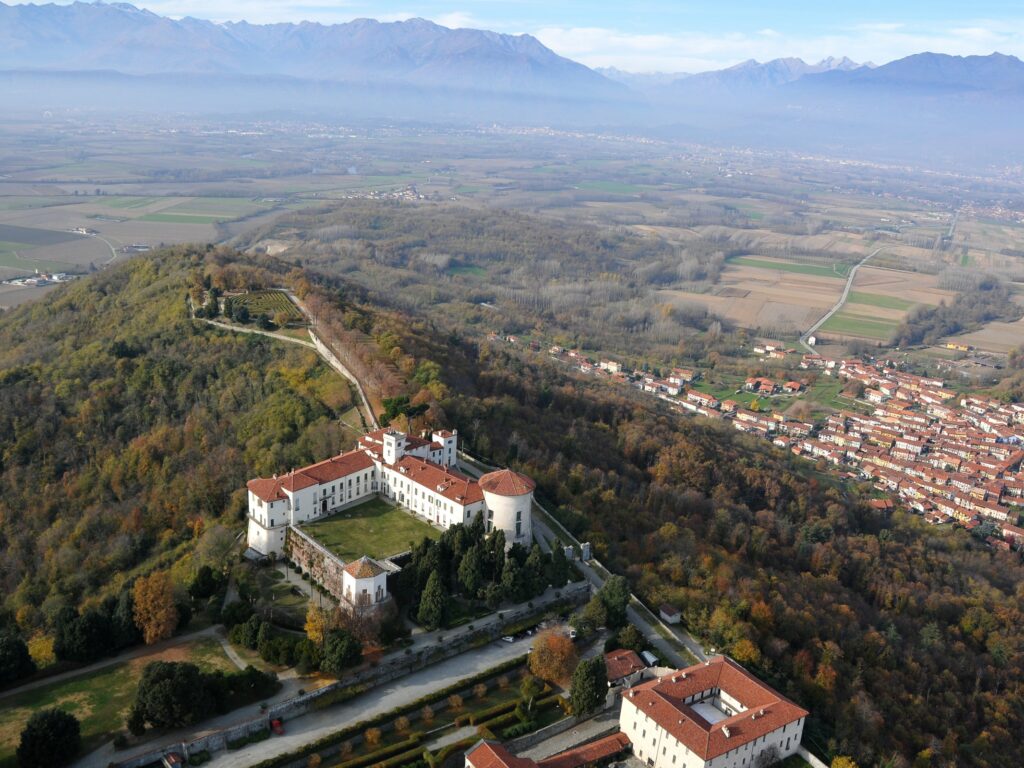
[842,300]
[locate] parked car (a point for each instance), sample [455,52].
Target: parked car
[572,633]
[508,639]
[277,727]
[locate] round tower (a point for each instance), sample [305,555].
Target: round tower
[509,496]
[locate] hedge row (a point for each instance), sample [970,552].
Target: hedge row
[414,755]
[252,738]
[447,751]
[484,715]
[352,730]
[339,696]
[519,729]
[378,755]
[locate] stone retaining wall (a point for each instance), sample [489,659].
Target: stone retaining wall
[322,565]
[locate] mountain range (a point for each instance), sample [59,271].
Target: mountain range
[117,56]
[120,37]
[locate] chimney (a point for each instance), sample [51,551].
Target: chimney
[725,730]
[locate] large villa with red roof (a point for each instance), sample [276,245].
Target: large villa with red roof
[712,715]
[414,472]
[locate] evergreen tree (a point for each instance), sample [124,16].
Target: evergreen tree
[51,738]
[341,651]
[558,568]
[535,572]
[15,661]
[471,570]
[512,580]
[433,603]
[589,686]
[173,694]
[496,554]
[615,596]
[122,621]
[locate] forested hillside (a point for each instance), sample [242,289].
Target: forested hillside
[904,641]
[126,428]
[474,268]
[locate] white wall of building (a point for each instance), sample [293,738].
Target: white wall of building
[655,746]
[512,515]
[376,588]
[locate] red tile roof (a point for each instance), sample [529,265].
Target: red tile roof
[622,663]
[490,754]
[364,568]
[442,480]
[266,488]
[335,468]
[505,482]
[588,754]
[663,700]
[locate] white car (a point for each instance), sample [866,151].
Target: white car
[508,639]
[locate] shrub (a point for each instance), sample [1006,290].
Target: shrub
[198,758]
[519,729]
[372,736]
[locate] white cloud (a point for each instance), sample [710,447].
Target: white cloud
[696,52]
[458,20]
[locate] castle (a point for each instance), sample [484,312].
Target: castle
[414,472]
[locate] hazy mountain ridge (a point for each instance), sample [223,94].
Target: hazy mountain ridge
[123,38]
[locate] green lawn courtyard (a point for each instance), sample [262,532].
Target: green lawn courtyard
[375,528]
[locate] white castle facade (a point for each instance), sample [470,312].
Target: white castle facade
[417,473]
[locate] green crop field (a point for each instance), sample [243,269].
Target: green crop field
[878,300]
[858,325]
[129,202]
[182,218]
[8,258]
[836,270]
[613,187]
[375,528]
[268,303]
[100,700]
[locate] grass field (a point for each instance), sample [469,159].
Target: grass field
[183,218]
[836,270]
[269,303]
[468,269]
[8,258]
[878,300]
[612,187]
[857,325]
[129,202]
[99,700]
[375,528]
[33,236]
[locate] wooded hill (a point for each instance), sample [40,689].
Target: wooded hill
[904,641]
[485,269]
[127,428]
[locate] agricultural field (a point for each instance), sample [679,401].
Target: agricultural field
[269,303]
[838,270]
[753,297]
[101,699]
[375,528]
[848,322]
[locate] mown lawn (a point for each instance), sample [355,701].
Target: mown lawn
[375,528]
[99,700]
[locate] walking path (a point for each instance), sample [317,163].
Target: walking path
[405,690]
[135,653]
[842,300]
[317,344]
[582,733]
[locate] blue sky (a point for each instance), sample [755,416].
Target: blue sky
[679,35]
